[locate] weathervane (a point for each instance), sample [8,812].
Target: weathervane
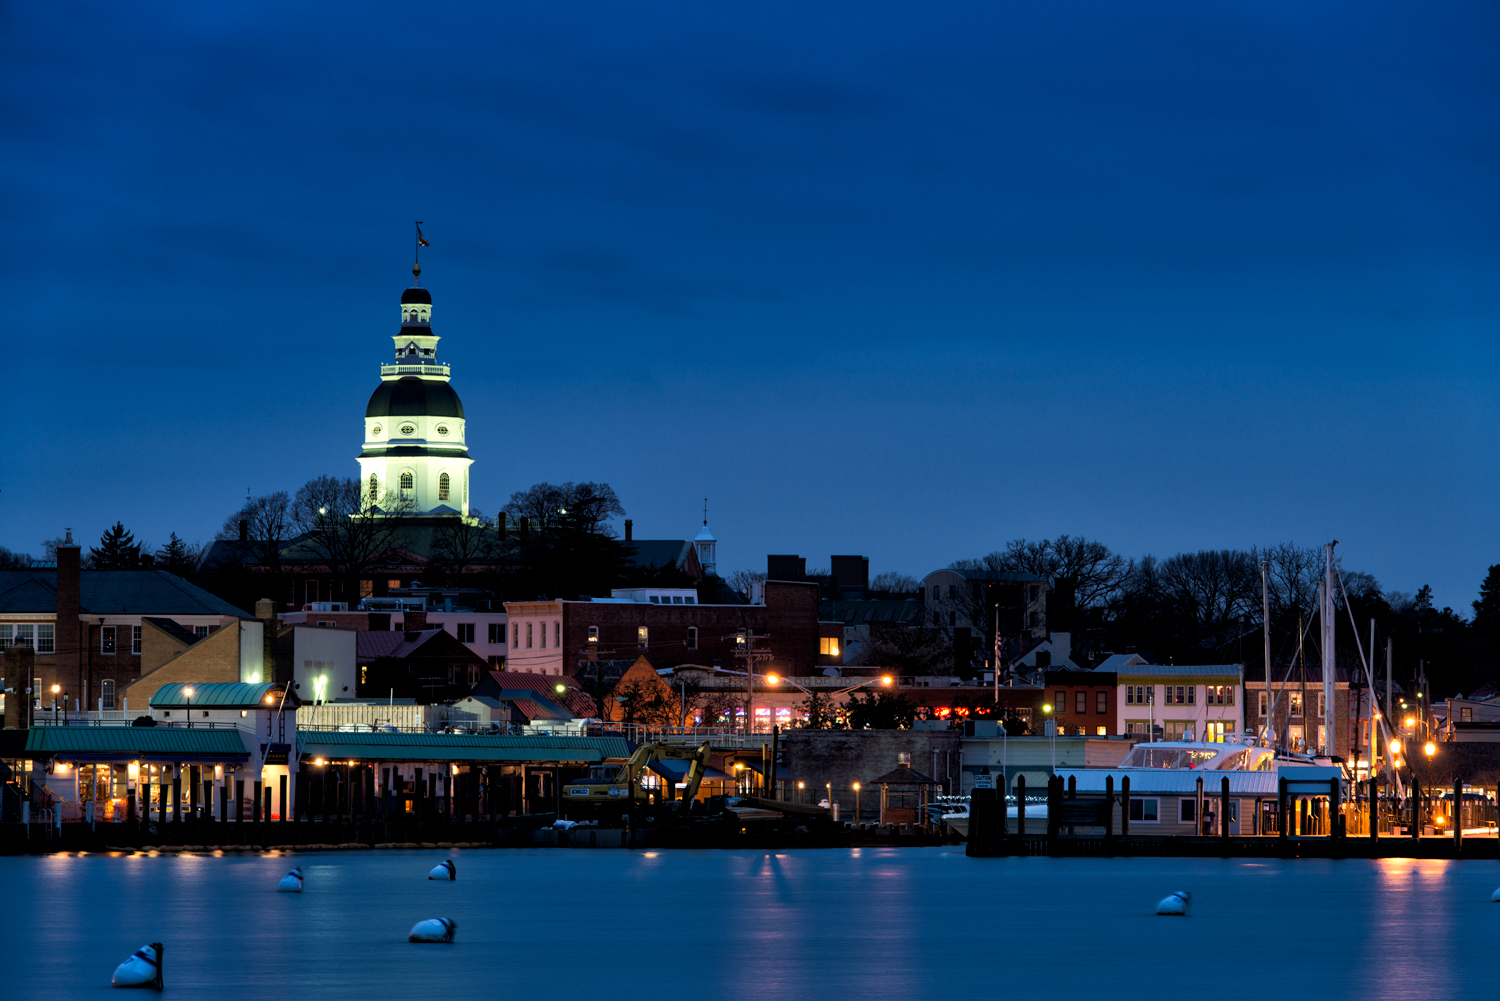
[416,267]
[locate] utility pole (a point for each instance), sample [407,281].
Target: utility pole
[744,650]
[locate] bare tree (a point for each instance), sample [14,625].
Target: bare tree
[584,506]
[461,543]
[895,582]
[268,528]
[338,529]
[1213,586]
[741,580]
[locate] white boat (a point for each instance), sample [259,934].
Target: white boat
[1035,811]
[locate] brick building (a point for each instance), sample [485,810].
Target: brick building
[96,631]
[553,637]
[1084,703]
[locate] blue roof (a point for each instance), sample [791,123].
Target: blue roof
[222,695]
[112,592]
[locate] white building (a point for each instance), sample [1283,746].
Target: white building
[1204,700]
[414,452]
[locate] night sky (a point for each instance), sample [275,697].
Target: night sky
[906,280]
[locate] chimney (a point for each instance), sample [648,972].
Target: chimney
[500,525]
[270,669]
[244,530]
[414,622]
[20,665]
[70,641]
[628,527]
[1062,645]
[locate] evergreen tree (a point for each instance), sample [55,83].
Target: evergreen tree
[1487,608]
[117,550]
[177,557]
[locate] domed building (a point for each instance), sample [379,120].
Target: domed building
[415,461]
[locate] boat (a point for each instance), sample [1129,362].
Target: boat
[1036,809]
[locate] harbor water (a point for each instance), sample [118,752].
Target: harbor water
[867,923]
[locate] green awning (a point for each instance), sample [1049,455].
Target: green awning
[157,743]
[340,746]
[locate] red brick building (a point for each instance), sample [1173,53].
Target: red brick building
[553,637]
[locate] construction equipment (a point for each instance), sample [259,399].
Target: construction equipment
[627,788]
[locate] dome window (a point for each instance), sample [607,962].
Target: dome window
[374,488]
[408,429]
[443,486]
[442,429]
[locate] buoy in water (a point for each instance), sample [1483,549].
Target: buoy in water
[1495,895]
[142,969]
[432,930]
[291,882]
[1176,904]
[446,871]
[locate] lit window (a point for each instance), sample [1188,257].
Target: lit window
[642,637]
[107,639]
[497,633]
[828,646]
[392,585]
[593,634]
[1101,731]
[443,486]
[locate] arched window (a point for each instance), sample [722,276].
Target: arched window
[443,486]
[406,482]
[374,488]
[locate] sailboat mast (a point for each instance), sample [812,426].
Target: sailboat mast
[1328,624]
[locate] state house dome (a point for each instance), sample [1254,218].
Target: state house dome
[413,397]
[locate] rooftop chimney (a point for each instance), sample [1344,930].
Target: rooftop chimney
[70,643]
[244,530]
[500,525]
[270,669]
[628,526]
[414,621]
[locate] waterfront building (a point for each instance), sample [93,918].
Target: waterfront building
[1298,721]
[1173,701]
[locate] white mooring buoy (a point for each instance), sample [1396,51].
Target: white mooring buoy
[432,930]
[1495,896]
[291,882]
[142,969]
[446,871]
[1176,904]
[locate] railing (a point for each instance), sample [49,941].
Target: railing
[92,719]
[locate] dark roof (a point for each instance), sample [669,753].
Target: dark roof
[497,682]
[413,397]
[161,743]
[370,645]
[416,295]
[459,747]
[1288,674]
[128,592]
[176,630]
[660,552]
[222,694]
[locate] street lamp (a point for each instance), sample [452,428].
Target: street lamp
[1429,748]
[188,691]
[856,802]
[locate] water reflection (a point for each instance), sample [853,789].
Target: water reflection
[872,923]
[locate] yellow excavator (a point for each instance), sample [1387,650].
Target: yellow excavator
[626,787]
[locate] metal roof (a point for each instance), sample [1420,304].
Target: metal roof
[117,592]
[220,695]
[169,743]
[1173,781]
[1138,671]
[460,747]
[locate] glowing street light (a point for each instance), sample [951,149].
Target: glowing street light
[188,691]
[1395,745]
[1429,748]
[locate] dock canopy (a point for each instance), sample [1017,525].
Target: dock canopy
[221,695]
[135,743]
[460,747]
[782,774]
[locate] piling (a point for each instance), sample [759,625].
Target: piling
[1224,810]
[1109,815]
[1020,806]
[1125,806]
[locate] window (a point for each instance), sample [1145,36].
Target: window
[1144,810]
[1101,731]
[543,631]
[594,634]
[692,640]
[46,638]
[952,618]
[497,633]
[1101,702]
[466,632]
[528,635]
[107,692]
[1080,702]
[1139,695]
[473,675]
[642,637]
[442,486]
[406,483]
[1191,690]
[690,600]
[374,488]
[1466,713]
[107,639]
[1262,703]
[1294,703]
[393,585]
[937,592]
[1060,704]
[1187,810]
[16,636]
[135,639]
[200,631]
[952,591]
[557,633]
[828,646]
[516,637]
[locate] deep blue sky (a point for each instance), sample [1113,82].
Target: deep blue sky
[902,280]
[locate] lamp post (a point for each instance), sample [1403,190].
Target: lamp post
[55,690]
[65,708]
[188,691]
[856,802]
